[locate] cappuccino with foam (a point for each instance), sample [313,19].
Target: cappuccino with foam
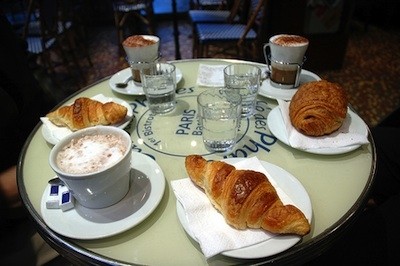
[90,153]
[285,59]
[95,164]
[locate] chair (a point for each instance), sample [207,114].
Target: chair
[51,31]
[225,36]
[208,4]
[15,11]
[215,16]
[139,9]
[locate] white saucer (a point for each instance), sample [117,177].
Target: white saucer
[269,91]
[292,187]
[132,88]
[146,191]
[53,134]
[277,127]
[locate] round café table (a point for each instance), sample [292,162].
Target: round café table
[336,184]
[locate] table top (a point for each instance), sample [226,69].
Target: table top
[337,184]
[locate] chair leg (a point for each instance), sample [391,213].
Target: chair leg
[200,48]
[195,46]
[119,20]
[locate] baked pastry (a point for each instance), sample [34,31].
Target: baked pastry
[318,108]
[85,112]
[245,198]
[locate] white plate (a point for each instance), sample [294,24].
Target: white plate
[53,134]
[146,191]
[269,91]
[297,193]
[132,88]
[277,127]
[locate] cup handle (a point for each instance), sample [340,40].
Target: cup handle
[299,67]
[265,52]
[297,80]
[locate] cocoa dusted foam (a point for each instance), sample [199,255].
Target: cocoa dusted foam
[290,40]
[137,41]
[90,153]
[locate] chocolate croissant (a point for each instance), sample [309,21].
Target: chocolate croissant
[318,108]
[245,198]
[85,112]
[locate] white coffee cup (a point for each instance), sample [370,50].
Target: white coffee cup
[138,51]
[141,50]
[105,183]
[286,58]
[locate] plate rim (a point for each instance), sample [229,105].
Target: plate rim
[324,151]
[157,181]
[242,253]
[111,81]
[265,87]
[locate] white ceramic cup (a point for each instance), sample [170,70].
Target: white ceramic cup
[105,185]
[219,116]
[139,54]
[285,59]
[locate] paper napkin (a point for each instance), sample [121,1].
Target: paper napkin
[211,75]
[208,226]
[344,136]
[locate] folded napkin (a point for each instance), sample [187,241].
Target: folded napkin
[208,226]
[211,75]
[344,136]
[54,133]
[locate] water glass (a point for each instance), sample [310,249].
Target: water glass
[159,84]
[219,116]
[245,80]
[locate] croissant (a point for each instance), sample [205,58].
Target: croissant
[245,198]
[318,108]
[85,112]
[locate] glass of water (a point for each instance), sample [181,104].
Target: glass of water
[219,116]
[245,80]
[159,84]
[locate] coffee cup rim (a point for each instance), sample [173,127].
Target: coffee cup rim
[272,38]
[148,37]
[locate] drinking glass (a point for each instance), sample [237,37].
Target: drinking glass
[219,115]
[159,84]
[245,80]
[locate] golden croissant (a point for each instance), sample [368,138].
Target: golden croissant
[318,108]
[85,112]
[245,198]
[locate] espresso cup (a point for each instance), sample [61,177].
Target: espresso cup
[95,164]
[285,59]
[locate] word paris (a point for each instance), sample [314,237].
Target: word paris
[180,133]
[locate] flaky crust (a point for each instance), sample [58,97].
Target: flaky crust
[245,198]
[318,108]
[85,112]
